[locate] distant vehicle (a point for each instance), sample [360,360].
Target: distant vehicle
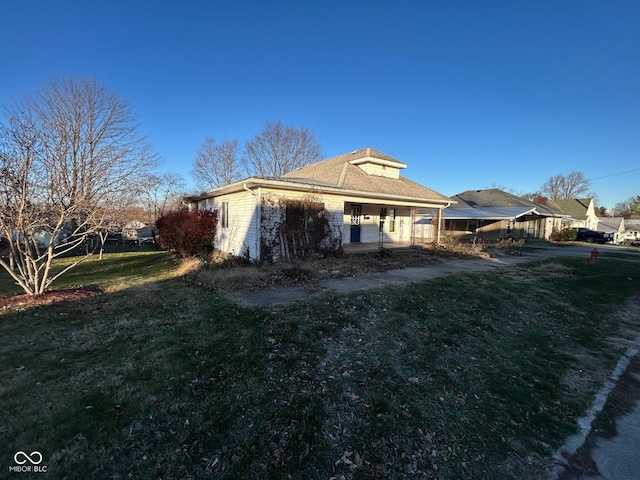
[591,236]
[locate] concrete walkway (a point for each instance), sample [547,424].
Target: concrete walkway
[274,296]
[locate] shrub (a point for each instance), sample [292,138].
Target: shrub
[510,245]
[564,235]
[188,233]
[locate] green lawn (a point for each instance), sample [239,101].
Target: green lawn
[469,376]
[114,272]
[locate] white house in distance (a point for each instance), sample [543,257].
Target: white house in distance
[352,198]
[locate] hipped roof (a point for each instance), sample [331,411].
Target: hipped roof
[342,174]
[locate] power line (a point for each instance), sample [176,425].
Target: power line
[614,174]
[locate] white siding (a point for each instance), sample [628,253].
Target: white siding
[240,237]
[253,218]
[380,170]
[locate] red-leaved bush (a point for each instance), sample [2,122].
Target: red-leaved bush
[188,233]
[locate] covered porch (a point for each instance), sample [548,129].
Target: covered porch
[385,225]
[493,224]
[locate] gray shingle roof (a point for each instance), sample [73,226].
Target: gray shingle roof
[610,224]
[492,198]
[338,172]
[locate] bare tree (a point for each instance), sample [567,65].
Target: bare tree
[629,207]
[560,187]
[217,164]
[279,149]
[163,194]
[66,155]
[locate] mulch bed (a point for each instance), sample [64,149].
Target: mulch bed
[53,296]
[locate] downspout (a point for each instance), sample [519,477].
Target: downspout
[441,221]
[258,234]
[258,216]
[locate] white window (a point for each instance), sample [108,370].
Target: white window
[224,215]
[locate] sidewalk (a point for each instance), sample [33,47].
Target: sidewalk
[602,456]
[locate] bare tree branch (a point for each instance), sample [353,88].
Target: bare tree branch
[559,187]
[163,194]
[280,149]
[217,164]
[629,207]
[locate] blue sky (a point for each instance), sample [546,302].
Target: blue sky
[470,94]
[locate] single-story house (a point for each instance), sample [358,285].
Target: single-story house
[352,198]
[493,214]
[130,230]
[137,231]
[631,230]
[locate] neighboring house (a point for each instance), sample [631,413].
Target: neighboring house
[136,231]
[615,226]
[493,214]
[581,212]
[352,198]
[45,237]
[631,230]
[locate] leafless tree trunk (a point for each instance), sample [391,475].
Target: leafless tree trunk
[280,149]
[66,155]
[217,164]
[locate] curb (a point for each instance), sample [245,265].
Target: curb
[573,443]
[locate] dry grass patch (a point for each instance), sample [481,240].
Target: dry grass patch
[232,274]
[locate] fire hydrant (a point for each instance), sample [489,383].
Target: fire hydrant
[594,255]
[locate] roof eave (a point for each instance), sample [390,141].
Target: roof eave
[254,182]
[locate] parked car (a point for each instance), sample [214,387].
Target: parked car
[591,236]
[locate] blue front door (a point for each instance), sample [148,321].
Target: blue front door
[355,224]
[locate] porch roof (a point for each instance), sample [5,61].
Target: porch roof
[495,213]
